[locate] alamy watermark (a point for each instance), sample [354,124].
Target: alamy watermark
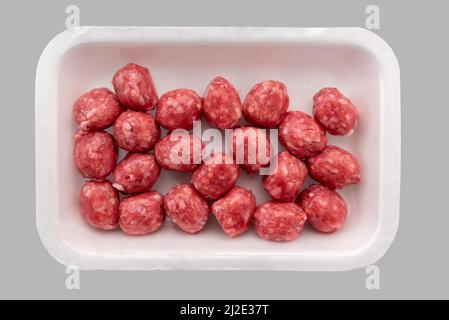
[246,145]
[73,16]
[372,281]
[73,280]
[372,21]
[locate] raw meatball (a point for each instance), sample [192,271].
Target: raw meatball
[302,135]
[142,214]
[221,104]
[179,152]
[334,111]
[178,109]
[326,210]
[235,211]
[334,167]
[185,207]
[217,175]
[95,154]
[279,221]
[137,172]
[99,203]
[286,181]
[136,131]
[250,148]
[96,110]
[134,87]
[266,104]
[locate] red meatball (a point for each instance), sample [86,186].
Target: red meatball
[326,210]
[334,167]
[95,154]
[221,104]
[302,135]
[279,221]
[250,148]
[137,172]
[142,214]
[335,112]
[266,104]
[235,211]
[134,87]
[285,182]
[185,207]
[99,203]
[179,152]
[136,131]
[217,175]
[178,109]
[96,110]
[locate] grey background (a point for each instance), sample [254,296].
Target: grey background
[417,264]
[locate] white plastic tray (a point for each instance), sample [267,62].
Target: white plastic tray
[356,61]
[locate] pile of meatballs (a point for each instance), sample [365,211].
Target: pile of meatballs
[126,199]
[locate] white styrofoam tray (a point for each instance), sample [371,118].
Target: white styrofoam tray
[355,60]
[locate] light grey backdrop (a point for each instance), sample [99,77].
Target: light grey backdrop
[417,264]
